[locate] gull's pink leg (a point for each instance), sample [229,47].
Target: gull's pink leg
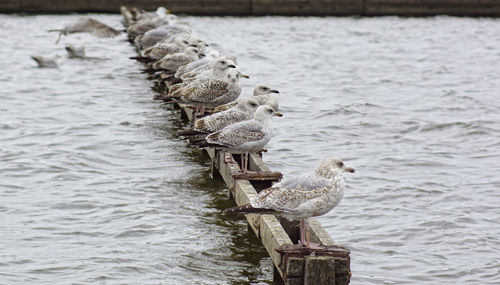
[302,233]
[308,238]
[226,159]
[245,163]
[242,160]
[308,235]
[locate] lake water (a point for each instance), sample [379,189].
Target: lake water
[95,189]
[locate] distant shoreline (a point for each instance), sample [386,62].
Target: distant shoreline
[474,8]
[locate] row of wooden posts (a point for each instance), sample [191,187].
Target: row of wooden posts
[292,265]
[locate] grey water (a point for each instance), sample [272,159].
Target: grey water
[96,189]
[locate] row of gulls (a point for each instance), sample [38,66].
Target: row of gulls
[209,82]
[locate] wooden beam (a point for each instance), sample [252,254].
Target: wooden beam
[319,270]
[295,266]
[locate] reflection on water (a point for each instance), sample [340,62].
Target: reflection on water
[95,188]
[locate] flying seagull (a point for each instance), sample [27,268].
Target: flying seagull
[87,25]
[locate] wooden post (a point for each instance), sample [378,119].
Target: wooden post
[319,270]
[293,264]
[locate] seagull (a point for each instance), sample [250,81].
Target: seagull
[217,72]
[75,52]
[151,37]
[161,49]
[172,62]
[140,27]
[87,25]
[212,91]
[45,61]
[133,15]
[181,43]
[209,59]
[243,137]
[243,111]
[261,93]
[187,73]
[303,197]
[171,79]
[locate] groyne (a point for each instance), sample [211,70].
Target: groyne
[293,264]
[488,8]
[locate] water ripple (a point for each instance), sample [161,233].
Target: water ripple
[96,189]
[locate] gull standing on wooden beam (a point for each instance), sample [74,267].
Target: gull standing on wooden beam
[208,92]
[244,110]
[303,197]
[261,93]
[244,137]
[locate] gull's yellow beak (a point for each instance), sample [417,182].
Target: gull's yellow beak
[278,114]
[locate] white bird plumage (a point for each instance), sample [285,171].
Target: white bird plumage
[245,136]
[303,197]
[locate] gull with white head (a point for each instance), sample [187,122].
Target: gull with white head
[243,111]
[261,93]
[75,51]
[151,37]
[303,197]
[244,137]
[208,92]
[45,62]
[171,62]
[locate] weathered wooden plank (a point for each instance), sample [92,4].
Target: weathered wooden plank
[267,227]
[266,176]
[273,234]
[319,270]
[295,267]
[319,234]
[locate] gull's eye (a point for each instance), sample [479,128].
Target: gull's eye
[269,111]
[186,42]
[340,164]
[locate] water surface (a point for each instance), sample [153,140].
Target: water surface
[95,189]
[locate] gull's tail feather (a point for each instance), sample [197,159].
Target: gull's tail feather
[189,132]
[143,58]
[152,70]
[204,144]
[246,209]
[166,98]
